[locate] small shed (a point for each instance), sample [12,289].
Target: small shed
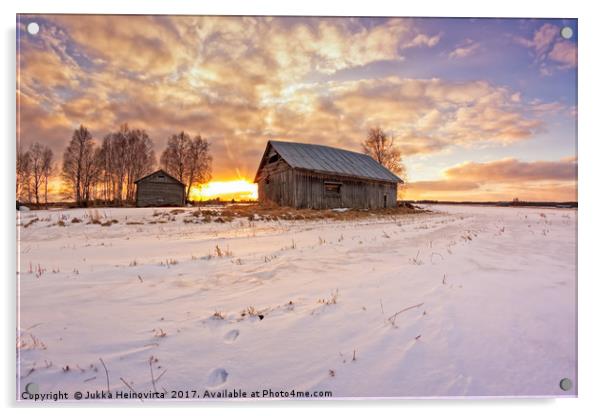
[302,175]
[160,189]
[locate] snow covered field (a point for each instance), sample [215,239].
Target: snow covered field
[476,301]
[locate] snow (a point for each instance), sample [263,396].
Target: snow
[486,299]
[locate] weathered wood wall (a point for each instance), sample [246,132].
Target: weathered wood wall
[311,192]
[159,190]
[306,189]
[276,182]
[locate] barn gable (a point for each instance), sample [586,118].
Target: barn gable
[160,176]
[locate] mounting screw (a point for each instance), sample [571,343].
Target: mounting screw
[566,32]
[566,384]
[33,28]
[32,388]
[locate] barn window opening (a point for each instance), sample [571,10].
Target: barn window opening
[274,158]
[161,176]
[332,188]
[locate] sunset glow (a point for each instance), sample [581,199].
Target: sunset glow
[481,109]
[239,189]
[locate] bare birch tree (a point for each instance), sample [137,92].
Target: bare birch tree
[173,158]
[23,175]
[198,163]
[187,159]
[47,170]
[125,156]
[382,148]
[40,158]
[80,169]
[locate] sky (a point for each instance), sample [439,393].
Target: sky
[482,109]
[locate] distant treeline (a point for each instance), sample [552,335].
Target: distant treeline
[105,173]
[514,203]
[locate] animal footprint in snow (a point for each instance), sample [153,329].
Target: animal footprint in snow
[218,377]
[231,336]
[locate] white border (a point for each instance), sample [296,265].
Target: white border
[590,288]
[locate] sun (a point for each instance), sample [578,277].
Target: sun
[240,189]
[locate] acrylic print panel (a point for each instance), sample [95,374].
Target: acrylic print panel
[295,207]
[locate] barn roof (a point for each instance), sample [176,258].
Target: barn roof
[163,172]
[325,159]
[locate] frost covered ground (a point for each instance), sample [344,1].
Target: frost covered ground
[476,301]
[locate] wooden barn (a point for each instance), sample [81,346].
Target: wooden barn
[160,189]
[303,175]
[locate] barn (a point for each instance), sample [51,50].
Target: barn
[160,189]
[301,175]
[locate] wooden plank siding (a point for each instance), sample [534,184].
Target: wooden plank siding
[310,192]
[305,189]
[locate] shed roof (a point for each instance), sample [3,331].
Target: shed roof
[163,172]
[325,159]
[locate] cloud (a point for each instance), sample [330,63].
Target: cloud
[36,122]
[565,53]
[551,51]
[459,113]
[559,192]
[441,185]
[464,49]
[502,180]
[424,40]
[240,81]
[540,108]
[544,37]
[512,170]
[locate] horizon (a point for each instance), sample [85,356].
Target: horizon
[482,109]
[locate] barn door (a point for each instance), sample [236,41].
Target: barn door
[332,194]
[385,201]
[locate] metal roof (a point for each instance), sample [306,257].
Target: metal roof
[327,159]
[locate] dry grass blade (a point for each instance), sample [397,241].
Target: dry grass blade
[107,374]
[130,387]
[394,316]
[150,364]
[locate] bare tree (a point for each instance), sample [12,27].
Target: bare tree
[107,181]
[124,156]
[383,149]
[40,157]
[198,163]
[23,175]
[80,169]
[140,159]
[47,170]
[187,159]
[173,158]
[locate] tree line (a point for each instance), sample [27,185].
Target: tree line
[34,169]
[107,172]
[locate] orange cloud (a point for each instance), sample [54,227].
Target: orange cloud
[512,170]
[565,53]
[502,180]
[441,185]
